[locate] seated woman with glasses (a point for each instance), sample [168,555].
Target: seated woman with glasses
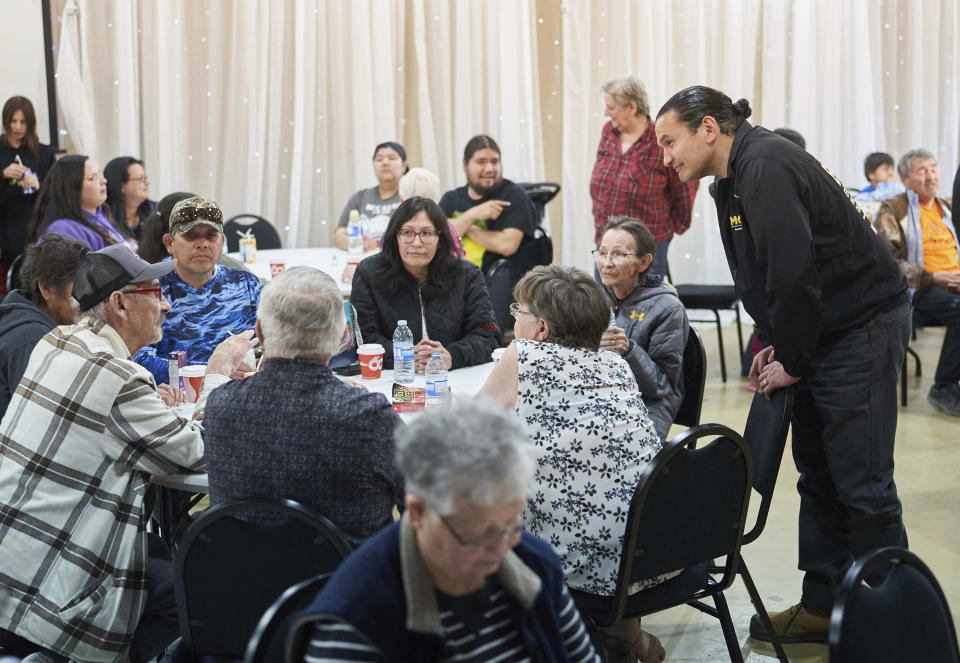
[456,578]
[128,195]
[71,203]
[651,324]
[585,416]
[416,278]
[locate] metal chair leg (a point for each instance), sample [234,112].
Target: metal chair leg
[723,360]
[729,633]
[903,382]
[761,610]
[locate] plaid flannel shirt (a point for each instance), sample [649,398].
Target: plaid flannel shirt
[83,434]
[637,183]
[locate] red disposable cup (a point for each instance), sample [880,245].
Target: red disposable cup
[276,269]
[193,378]
[371,360]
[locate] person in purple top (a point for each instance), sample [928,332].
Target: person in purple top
[71,203]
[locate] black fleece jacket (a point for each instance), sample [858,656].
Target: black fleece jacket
[460,317]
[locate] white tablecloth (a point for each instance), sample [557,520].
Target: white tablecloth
[462,382]
[328,259]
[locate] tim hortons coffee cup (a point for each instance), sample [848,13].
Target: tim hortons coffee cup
[371,360]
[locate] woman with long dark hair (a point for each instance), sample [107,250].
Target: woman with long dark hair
[26,162]
[416,278]
[128,195]
[71,203]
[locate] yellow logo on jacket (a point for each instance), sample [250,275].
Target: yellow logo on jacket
[736,223]
[637,316]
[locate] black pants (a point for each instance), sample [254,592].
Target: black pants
[936,306]
[844,424]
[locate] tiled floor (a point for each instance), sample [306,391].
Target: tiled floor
[927,472]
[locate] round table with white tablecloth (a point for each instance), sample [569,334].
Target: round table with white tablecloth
[327,259]
[462,382]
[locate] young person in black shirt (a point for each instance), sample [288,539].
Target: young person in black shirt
[494,216]
[25,162]
[832,306]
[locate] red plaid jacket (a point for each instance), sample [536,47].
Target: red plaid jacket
[636,183]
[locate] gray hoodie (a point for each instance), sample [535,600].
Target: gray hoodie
[22,324]
[657,326]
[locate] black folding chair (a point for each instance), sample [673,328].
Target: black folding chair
[688,509]
[714,298]
[269,641]
[229,570]
[13,273]
[500,288]
[693,377]
[890,608]
[263,230]
[766,435]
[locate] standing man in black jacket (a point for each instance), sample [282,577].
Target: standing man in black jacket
[832,304]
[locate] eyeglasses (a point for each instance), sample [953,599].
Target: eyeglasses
[143,178]
[616,258]
[96,178]
[516,311]
[483,540]
[426,236]
[156,292]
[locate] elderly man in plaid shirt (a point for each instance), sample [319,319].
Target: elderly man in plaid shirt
[84,432]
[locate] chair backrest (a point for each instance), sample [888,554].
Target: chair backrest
[766,434]
[263,230]
[540,193]
[500,288]
[13,273]
[902,615]
[228,570]
[689,507]
[693,377]
[269,639]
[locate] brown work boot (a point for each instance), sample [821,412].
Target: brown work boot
[795,624]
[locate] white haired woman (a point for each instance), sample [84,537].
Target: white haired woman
[629,176]
[456,578]
[585,415]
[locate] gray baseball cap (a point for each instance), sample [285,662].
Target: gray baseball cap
[110,269]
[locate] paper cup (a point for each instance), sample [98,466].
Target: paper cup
[496,354]
[277,268]
[192,379]
[371,360]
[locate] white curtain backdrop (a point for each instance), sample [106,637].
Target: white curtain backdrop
[274,106]
[853,77]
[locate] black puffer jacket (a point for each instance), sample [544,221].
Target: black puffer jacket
[460,317]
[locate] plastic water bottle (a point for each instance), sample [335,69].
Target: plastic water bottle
[364,225]
[436,372]
[354,233]
[403,353]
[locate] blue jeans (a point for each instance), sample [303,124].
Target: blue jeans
[659,264]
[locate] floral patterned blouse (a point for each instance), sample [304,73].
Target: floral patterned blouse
[593,437]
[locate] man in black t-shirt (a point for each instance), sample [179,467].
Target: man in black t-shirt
[495,217]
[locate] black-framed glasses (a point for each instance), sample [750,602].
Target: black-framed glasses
[516,311]
[426,236]
[617,258]
[483,540]
[156,292]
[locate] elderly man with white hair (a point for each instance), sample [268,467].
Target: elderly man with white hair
[295,430]
[457,578]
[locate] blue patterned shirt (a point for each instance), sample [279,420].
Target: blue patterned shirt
[200,318]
